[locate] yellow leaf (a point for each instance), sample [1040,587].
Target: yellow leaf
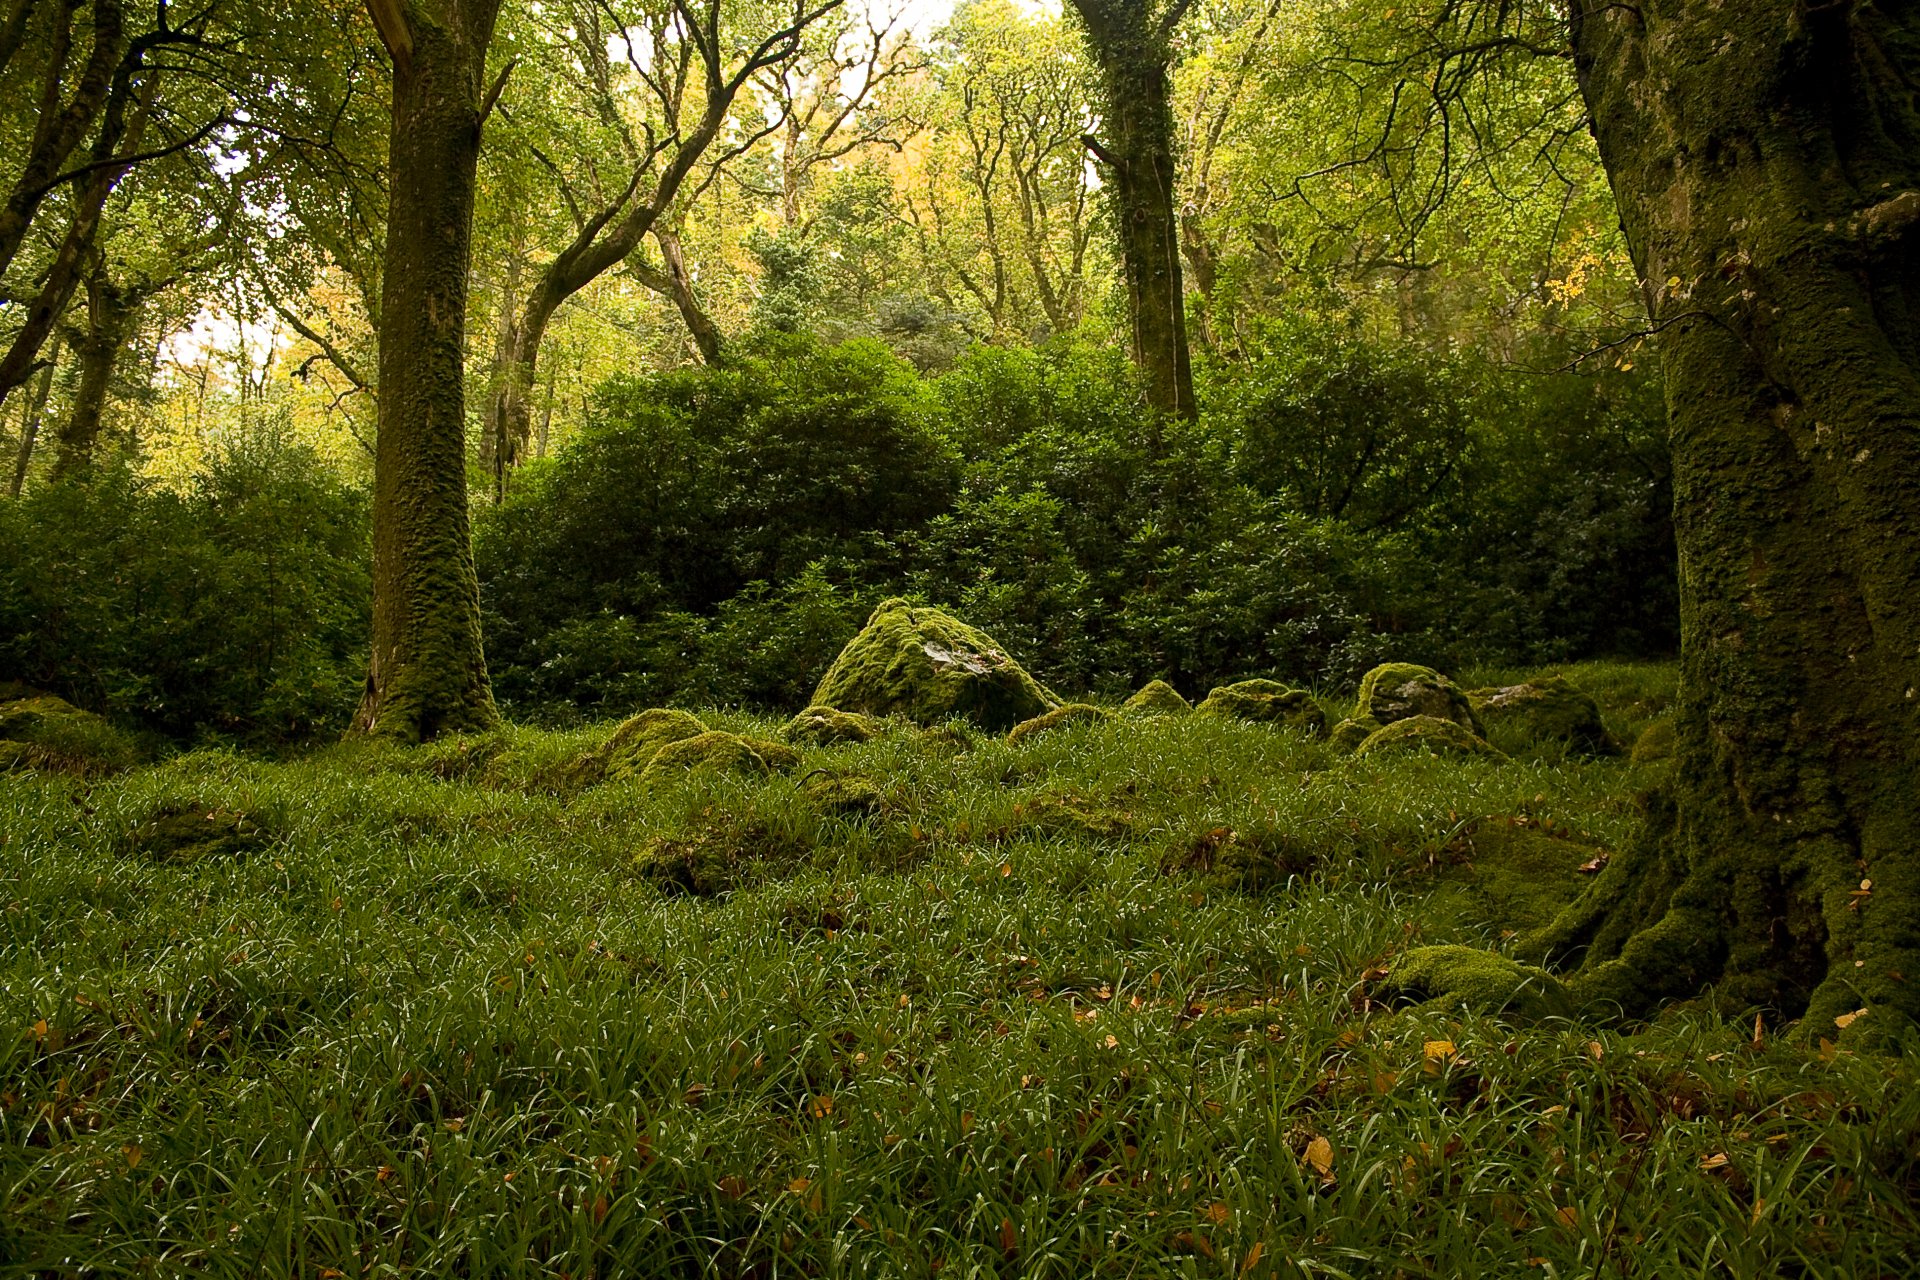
[40,1029]
[1597,1049]
[1383,1081]
[1828,1050]
[133,1153]
[1319,1154]
[1568,1216]
[799,1185]
[1435,1055]
[1113,1042]
[1718,1160]
[1253,1256]
[1759,1210]
[1218,1214]
[1006,869]
[1846,1020]
[1008,1240]
[822,1106]
[1673,282]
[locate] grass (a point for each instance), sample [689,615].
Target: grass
[1095,1004]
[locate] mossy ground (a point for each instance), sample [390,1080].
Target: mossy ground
[1083,1005]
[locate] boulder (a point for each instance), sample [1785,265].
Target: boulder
[928,666]
[1655,742]
[1266,702]
[1071,713]
[45,732]
[714,752]
[1429,733]
[1157,698]
[1546,710]
[633,745]
[829,726]
[1349,734]
[1400,690]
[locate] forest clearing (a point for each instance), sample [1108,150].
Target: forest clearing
[754,638]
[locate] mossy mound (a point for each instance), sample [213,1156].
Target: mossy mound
[635,743]
[1250,861]
[1429,733]
[1469,978]
[844,795]
[1516,875]
[712,861]
[1157,698]
[927,665]
[1544,711]
[1401,690]
[1069,814]
[1349,735]
[48,733]
[830,726]
[1266,702]
[717,751]
[1071,713]
[191,832]
[1656,742]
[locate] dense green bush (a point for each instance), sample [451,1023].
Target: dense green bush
[238,608]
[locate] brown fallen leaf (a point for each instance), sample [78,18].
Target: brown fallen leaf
[1319,1154]
[1253,1256]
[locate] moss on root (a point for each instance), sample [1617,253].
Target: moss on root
[1455,977]
[48,733]
[1266,702]
[1427,733]
[1401,690]
[1071,713]
[829,726]
[1515,876]
[1545,711]
[1156,698]
[927,665]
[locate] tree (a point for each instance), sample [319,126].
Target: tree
[428,672]
[1131,42]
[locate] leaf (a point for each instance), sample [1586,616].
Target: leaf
[799,1185]
[40,1029]
[1568,1215]
[1113,1042]
[1759,1034]
[1596,1049]
[1593,865]
[1383,1081]
[733,1186]
[1759,1210]
[1718,1160]
[1253,1256]
[133,1153]
[1009,1241]
[822,1106]
[1319,1154]
[1218,1214]
[1006,869]
[1828,1050]
[1846,1020]
[1435,1054]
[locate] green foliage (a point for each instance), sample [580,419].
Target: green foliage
[237,608]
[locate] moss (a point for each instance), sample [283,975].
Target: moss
[1429,733]
[844,795]
[713,860]
[1071,713]
[1266,702]
[778,756]
[48,733]
[1069,814]
[633,745]
[1246,861]
[1516,876]
[1483,981]
[1157,698]
[829,726]
[190,832]
[928,666]
[1348,735]
[714,751]
[1545,711]
[1655,742]
[1400,690]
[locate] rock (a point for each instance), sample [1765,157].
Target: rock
[190,832]
[1157,698]
[1656,742]
[1349,734]
[1071,713]
[1430,733]
[1454,977]
[717,751]
[828,726]
[928,666]
[1546,710]
[635,743]
[844,795]
[1266,702]
[45,732]
[1400,690]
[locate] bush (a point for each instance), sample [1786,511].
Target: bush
[237,608]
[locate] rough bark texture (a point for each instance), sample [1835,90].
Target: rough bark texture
[428,673]
[1130,43]
[1766,160]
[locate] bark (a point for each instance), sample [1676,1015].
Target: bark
[1766,161]
[30,422]
[1130,43]
[674,281]
[428,672]
[111,312]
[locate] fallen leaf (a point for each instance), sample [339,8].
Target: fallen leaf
[1434,1055]
[1113,1042]
[1006,869]
[822,1106]
[1759,1033]
[1383,1081]
[733,1186]
[1218,1214]
[1253,1256]
[1828,1050]
[133,1153]
[1846,1020]
[799,1185]
[1593,865]
[1568,1215]
[1718,1160]
[40,1029]
[1596,1049]
[1319,1154]
[1759,1210]
[1008,1240]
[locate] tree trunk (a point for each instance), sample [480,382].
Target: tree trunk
[428,673]
[1766,161]
[30,422]
[110,316]
[706,334]
[1130,43]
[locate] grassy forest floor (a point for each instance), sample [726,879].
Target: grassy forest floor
[1098,1003]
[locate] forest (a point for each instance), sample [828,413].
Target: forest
[747,638]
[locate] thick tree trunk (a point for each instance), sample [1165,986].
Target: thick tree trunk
[110,315]
[428,673]
[1766,160]
[1130,44]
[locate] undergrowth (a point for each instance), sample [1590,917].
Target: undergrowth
[1099,1003]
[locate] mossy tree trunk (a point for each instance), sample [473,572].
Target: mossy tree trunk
[1131,43]
[111,312]
[1766,160]
[428,673]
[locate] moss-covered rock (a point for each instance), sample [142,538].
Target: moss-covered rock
[712,860]
[1543,711]
[844,795]
[714,751]
[1071,713]
[633,745]
[1401,690]
[927,665]
[49,733]
[777,756]
[1246,861]
[1483,981]
[184,832]
[1428,733]
[1656,742]
[1157,698]
[1348,735]
[830,726]
[1266,702]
